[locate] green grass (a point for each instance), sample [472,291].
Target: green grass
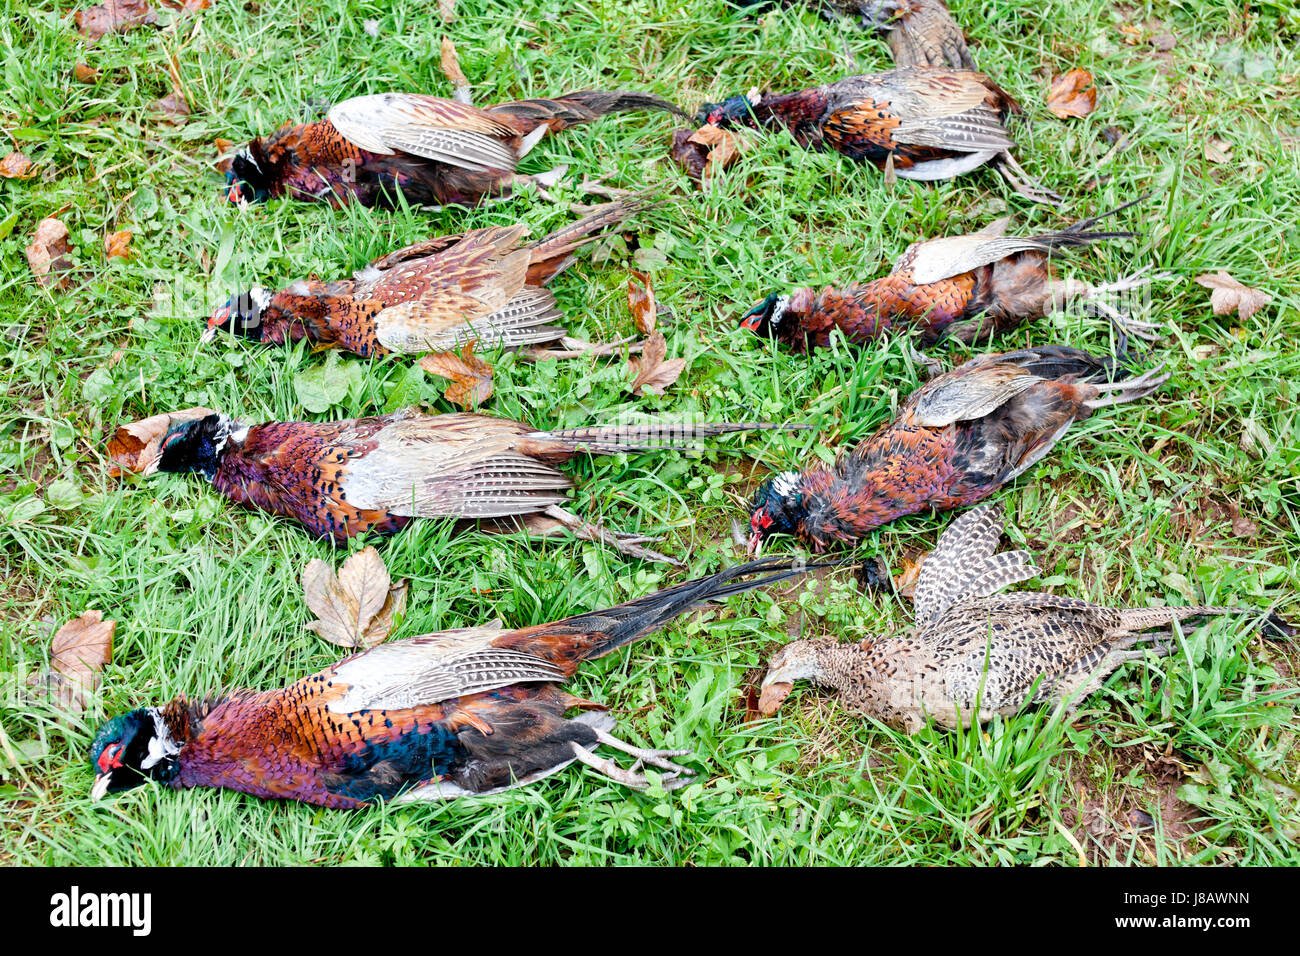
[1135,505]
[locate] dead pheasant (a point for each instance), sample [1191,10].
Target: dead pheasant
[919,32]
[967,288]
[974,654]
[956,440]
[345,478]
[485,285]
[433,151]
[467,712]
[925,122]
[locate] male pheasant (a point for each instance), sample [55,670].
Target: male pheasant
[928,123]
[966,288]
[438,294]
[345,478]
[974,654]
[433,151]
[956,440]
[466,712]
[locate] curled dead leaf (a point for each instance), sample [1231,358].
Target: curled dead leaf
[83,73]
[450,63]
[113,16]
[724,146]
[471,377]
[117,245]
[78,653]
[1218,151]
[173,107]
[48,253]
[136,447]
[17,166]
[1072,94]
[905,580]
[641,300]
[652,373]
[1226,294]
[358,606]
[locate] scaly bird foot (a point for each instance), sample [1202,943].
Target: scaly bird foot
[629,544]
[632,778]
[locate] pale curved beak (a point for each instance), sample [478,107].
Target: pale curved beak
[755,544]
[208,335]
[101,786]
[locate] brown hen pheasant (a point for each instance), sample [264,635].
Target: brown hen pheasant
[974,654]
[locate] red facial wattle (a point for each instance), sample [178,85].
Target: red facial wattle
[219,317]
[758,526]
[234,193]
[751,321]
[109,758]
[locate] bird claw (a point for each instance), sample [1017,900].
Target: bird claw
[632,777]
[624,542]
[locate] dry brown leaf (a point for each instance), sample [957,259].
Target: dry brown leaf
[78,653]
[1226,294]
[451,68]
[83,73]
[1218,151]
[136,447]
[357,607]
[641,300]
[1072,94]
[47,254]
[447,10]
[653,374]
[471,378]
[723,146]
[117,245]
[224,154]
[173,107]
[16,166]
[905,580]
[113,16]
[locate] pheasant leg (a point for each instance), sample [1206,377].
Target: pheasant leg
[629,544]
[678,776]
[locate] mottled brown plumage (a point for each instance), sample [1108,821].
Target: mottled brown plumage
[967,288]
[466,712]
[955,441]
[434,151]
[438,294]
[919,32]
[927,123]
[974,654]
